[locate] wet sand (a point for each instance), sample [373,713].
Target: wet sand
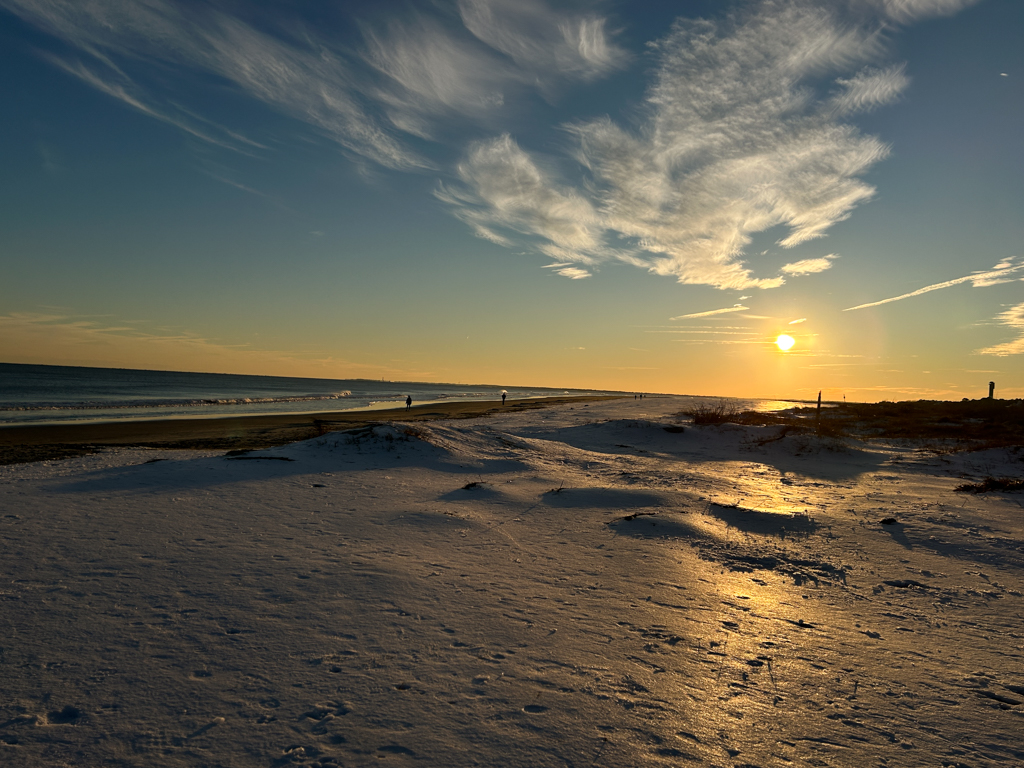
[41,442]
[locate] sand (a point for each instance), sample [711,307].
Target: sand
[39,442]
[575,585]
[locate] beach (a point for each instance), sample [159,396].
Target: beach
[587,582]
[37,442]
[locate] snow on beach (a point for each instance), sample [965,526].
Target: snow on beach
[570,586]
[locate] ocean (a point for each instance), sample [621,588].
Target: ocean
[47,394]
[31,394]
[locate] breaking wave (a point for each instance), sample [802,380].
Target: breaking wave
[191,403]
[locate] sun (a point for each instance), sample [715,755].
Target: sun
[785,342]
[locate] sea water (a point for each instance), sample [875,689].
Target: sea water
[51,393]
[43,394]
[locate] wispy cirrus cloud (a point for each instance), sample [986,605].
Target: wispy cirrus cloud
[301,78]
[1003,272]
[547,44]
[568,270]
[736,137]
[809,266]
[704,332]
[431,71]
[410,72]
[1013,318]
[761,342]
[869,88]
[121,87]
[745,127]
[711,312]
[905,11]
[505,187]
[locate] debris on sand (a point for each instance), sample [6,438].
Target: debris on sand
[992,484]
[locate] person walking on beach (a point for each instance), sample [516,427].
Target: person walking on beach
[504,394]
[408,402]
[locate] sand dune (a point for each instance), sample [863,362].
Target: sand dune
[568,586]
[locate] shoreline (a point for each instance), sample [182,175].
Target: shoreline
[21,444]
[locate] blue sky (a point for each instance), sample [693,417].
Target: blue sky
[619,195]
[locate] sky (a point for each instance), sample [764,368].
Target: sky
[617,195]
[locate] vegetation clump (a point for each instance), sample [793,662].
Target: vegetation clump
[949,426]
[719,412]
[990,484]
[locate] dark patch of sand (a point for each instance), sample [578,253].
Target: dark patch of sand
[43,442]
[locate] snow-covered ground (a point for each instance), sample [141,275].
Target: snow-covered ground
[575,586]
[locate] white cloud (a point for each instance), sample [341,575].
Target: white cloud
[1004,272]
[710,312]
[573,273]
[758,342]
[548,44]
[304,79]
[911,10]
[431,71]
[701,330]
[1014,318]
[870,88]
[798,321]
[507,188]
[741,131]
[308,82]
[423,67]
[809,266]
[735,145]
[568,270]
[734,141]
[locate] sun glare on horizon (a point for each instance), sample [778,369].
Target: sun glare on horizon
[785,342]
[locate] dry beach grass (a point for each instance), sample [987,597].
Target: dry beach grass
[965,425]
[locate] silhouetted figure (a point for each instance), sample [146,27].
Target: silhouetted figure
[408,402]
[504,394]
